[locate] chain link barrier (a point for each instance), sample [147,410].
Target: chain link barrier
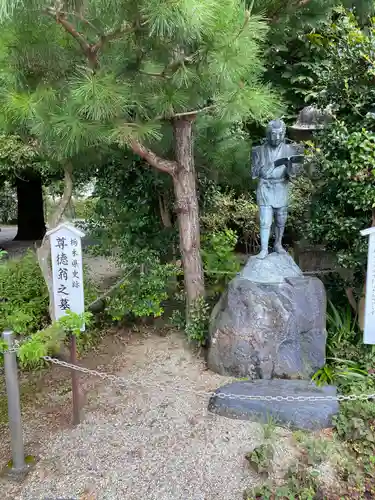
[123,382]
[243,397]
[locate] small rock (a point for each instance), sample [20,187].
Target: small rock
[307,415]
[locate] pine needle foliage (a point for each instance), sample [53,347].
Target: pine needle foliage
[150,60]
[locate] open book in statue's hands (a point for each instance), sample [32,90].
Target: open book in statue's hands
[289,161]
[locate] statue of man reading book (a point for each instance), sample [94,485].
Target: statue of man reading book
[274,164]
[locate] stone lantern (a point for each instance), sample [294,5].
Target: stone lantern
[309,120]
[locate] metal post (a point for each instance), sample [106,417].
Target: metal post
[75,383]
[14,407]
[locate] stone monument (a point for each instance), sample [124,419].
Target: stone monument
[271,321]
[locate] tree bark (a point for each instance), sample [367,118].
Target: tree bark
[31,225]
[164,212]
[183,174]
[44,251]
[187,210]
[152,159]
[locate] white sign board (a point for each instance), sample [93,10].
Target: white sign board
[67,272]
[369,326]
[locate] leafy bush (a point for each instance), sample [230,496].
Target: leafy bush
[197,327]
[261,457]
[24,299]
[355,425]
[127,219]
[304,480]
[50,339]
[23,295]
[84,208]
[226,210]
[219,260]
[143,291]
[342,204]
[344,153]
[301,192]
[350,367]
[349,361]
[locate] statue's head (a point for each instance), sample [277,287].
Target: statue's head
[276,130]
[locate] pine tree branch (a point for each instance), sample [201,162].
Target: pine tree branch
[84,20]
[61,19]
[152,159]
[112,35]
[156,75]
[246,22]
[176,63]
[90,50]
[195,112]
[187,113]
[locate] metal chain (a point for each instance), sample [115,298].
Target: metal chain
[242,397]
[125,382]
[15,348]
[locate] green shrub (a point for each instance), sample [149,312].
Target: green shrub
[219,260]
[49,340]
[197,327]
[226,210]
[344,152]
[143,291]
[23,295]
[24,299]
[349,361]
[126,215]
[301,191]
[356,425]
[84,208]
[350,366]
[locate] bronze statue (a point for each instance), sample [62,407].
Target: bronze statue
[274,163]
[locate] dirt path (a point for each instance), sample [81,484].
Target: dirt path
[142,442]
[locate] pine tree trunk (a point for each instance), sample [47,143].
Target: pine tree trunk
[187,210]
[31,225]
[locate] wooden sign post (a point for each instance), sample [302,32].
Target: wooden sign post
[369,326]
[68,293]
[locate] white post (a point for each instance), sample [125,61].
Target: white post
[67,272]
[369,326]
[66,257]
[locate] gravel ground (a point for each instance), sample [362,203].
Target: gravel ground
[146,442]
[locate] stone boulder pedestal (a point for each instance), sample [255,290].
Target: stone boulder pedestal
[270,323]
[304,405]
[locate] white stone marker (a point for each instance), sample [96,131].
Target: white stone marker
[67,272]
[369,327]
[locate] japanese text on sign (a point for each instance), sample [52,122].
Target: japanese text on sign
[66,255]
